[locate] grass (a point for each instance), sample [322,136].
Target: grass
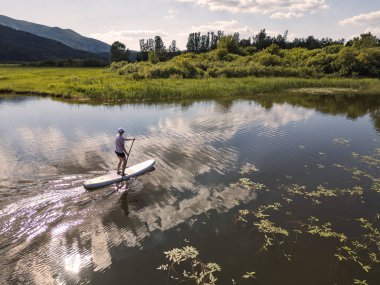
[99,84]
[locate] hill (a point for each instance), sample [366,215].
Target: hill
[22,46]
[66,36]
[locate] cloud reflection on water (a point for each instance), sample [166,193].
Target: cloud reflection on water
[186,146]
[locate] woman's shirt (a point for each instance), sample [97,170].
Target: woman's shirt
[119,144]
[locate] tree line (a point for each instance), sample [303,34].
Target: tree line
[154,49]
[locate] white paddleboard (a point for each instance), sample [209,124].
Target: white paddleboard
[114,177]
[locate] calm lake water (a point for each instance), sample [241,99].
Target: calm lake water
[53,231]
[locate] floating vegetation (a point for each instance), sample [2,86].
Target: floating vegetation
[296,189]
[282,222]
[267,227]
[373,164]
[259,219]
[341,141]
[184,265]
[247,183]
[360,282]
[248,168]
[249,275]
[364,250]
[376,185]
[370,160]
[297,212]
[355,155]
[323,230]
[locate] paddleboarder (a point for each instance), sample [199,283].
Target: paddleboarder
[120,151]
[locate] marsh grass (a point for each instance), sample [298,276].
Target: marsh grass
[99,84]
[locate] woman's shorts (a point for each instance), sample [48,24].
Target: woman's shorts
[120,154]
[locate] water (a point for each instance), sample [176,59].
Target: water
[53,231]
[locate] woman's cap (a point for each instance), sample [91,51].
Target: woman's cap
[120,130]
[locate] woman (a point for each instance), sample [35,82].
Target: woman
[121,151]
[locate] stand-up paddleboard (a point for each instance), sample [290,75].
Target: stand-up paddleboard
[114,177]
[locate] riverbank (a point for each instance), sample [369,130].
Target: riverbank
[99,84]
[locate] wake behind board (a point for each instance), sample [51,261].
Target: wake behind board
[114,177]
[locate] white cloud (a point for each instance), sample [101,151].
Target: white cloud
[226,26]
[373,30]
[372,19]
[131,37]
[170,15]
[282,15]
[229,27]
[276,9]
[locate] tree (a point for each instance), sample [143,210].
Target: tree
[118,52]
[245,42]
[173,47]
[346,62]
[262,40]
[364,41]
[229,43]
[159,48]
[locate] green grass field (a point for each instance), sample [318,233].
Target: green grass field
[99,84]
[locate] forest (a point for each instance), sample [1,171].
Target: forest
[216,55]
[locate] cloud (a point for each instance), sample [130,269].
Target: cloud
[170,15]
[276,9]
[131,37]
[282,15]
[372,19]
[373,30]
[229,27]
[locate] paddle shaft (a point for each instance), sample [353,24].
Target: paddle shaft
[129,152]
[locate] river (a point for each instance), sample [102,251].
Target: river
[53,231]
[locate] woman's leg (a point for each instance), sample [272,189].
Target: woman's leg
[119,164]
[124,160]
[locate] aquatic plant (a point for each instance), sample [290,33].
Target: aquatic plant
[247,168]
[247,183]
[364,250]
[248,275]
[341,141]
[360,282]
[323,230]
[267,227]
[184,265]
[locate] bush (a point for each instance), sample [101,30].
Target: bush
[334,60]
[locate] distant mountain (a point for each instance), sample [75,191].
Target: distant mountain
[66,36]
[22,46]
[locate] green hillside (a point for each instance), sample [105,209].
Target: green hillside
[23,46]
[66,36]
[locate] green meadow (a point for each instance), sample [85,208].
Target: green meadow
[102,84]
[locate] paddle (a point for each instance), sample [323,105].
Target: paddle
[129,152]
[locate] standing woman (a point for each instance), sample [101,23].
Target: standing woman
[121,151]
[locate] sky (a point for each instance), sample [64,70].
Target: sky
[128,21]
